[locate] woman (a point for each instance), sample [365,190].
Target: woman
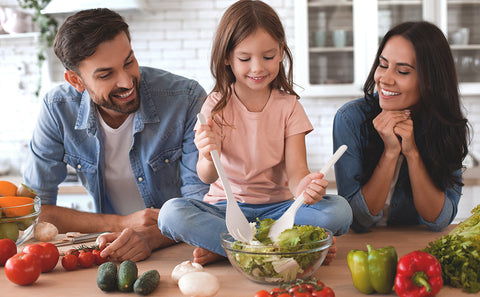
[407,137]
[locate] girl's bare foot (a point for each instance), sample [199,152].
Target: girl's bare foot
[203,256]
[332,252]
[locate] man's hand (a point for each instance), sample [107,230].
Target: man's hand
[133,244]
[145,218]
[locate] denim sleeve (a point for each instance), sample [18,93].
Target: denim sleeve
[192,186]
[450,207]
[45,168]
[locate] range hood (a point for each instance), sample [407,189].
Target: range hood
[62,6]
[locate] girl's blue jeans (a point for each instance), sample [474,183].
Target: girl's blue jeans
[200,224]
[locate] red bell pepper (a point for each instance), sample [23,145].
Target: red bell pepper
[419,274]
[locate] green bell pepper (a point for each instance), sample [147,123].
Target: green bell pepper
[373,270]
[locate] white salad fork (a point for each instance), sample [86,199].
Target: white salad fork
[287,219]
[237,223]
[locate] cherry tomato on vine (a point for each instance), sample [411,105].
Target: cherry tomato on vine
[284,295]
[86,259]
[98,258]
[8,248]
[276,291]
[74,252]
[23,269]
[263,293]
[302,294]
[326,292]
[70,262]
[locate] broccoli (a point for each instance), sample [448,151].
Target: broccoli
[459,254]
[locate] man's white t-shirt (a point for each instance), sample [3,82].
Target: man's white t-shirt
[119,180]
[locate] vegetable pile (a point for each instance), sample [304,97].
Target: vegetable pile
[126,279]
[459,254]
[25,267]
[290,258]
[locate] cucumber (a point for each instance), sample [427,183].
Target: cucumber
[127,275]
[107,276]
[147,282]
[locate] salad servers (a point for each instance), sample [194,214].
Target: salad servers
[237,223]
[287,219]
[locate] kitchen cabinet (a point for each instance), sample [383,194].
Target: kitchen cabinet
[336,41]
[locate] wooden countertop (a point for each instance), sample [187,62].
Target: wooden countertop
[82,282]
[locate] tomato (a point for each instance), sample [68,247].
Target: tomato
[99,259]
[86,259]
[72,252]
[326,292]
[51,255]
[276,291]
[8,248]
[23,269]
[302,294]
[46,252]
[300,288]
[284,295]
[263,293]
[70,262]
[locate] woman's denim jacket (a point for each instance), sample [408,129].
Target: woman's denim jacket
[163,156]
[347,130]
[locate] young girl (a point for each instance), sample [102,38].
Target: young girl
[258,127]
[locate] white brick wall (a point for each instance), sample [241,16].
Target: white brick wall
[175,35]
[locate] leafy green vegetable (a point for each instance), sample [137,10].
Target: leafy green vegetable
[459,254]
[296,250]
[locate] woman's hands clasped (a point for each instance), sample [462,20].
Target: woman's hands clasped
[395,127]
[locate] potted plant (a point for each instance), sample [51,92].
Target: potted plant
[48,29]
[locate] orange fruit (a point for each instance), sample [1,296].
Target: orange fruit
[16,206]
[7,188]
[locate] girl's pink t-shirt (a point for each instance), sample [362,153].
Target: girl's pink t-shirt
[253,147]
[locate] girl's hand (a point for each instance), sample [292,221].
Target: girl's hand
[315,187]
[207,140]
[385,124]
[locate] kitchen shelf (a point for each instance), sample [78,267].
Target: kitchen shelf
[326,71]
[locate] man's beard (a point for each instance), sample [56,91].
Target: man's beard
[125,108]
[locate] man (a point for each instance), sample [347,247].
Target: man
[127,130]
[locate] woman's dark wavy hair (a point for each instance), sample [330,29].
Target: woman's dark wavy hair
[239,21]
[439,116]
[81,33]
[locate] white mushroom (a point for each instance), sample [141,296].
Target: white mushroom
[184,268]
[199,284]
[45,231]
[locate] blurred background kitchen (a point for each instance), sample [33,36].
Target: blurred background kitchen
[333,42]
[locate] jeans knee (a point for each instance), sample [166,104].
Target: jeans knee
[169,213]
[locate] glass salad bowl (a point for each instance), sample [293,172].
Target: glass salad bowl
[276,264]
[19,218]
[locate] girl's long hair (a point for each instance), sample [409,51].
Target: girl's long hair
[445,130]
[239,21]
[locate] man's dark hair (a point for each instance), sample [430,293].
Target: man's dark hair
[81,33]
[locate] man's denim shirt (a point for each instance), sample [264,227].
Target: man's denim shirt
[163,156]
[347,130]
